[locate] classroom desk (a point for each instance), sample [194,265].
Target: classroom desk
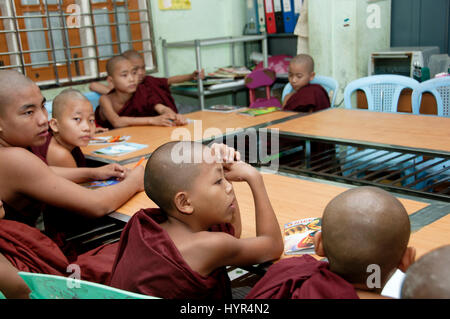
[418,138]
[295,197]
[432,236]
[204,125]
[422,133]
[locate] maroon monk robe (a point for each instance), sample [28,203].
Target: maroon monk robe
[301,278]
[148,262]
[150,92]
[27,249]
[311,97]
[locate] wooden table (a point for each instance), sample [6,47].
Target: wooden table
[432,236]
[423,133]
[203,125]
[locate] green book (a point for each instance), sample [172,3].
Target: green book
[260,111]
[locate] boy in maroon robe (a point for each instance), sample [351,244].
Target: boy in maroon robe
[26,183]
[180,251]
[72,125]
[365,233]
[149,103]
[305,97]
[429,276]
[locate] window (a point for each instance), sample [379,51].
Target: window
[69,41]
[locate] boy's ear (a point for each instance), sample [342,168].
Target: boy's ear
[109,79]
[183,203]
[408,259]
[312,76]
[318,244]
[53,123]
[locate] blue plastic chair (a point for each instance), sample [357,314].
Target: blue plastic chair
[382,91]
[328,83]
[45,286]
[440,88]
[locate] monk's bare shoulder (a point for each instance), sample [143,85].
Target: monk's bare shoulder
[58,155]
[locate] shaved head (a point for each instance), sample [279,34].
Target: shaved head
[172,168]
[361,227]
[61,100]
[304,59]
[11,81]
[429,277]
[111,64]
[132,54]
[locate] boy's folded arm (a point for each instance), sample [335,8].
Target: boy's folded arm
[225,250]
[120,121]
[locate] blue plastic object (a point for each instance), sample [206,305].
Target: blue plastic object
[440,88]
[328,83]
[382,91]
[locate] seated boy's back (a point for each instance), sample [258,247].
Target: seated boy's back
[365,232]
[194,197]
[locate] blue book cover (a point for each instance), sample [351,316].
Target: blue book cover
[288,16]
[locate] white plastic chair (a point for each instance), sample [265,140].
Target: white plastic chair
[382,91]
[440,88]
[328,83]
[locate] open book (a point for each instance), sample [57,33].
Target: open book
[299,234]
[120,149]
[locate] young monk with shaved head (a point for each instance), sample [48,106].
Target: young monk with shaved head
[27,183]
[429,277]
[305,97]
[134,100]
[180,250]
[361,228]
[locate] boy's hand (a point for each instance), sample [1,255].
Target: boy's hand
[137,175]
[196,75]
[179,120]
[110,171]
[224,154]
[166,119]
[239,171]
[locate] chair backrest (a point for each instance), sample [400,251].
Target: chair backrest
[382,91]
[328,83]
[440,88]
[257,79]
[45,286]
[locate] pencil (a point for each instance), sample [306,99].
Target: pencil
[139,163]
[116,138]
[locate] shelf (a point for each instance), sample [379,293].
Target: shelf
[201,91]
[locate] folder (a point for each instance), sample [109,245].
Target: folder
[297,8]
[278,12]
[288,16]
[261,16]
[270,17]
[252,18]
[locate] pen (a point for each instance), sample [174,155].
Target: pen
[139,163]
[115,139]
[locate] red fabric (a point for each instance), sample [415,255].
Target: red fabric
[301,278]
[27,249]
[150,92]
[41,152]
[148,262]
[310,97]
